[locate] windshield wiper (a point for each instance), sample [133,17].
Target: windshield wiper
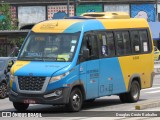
[61,59]
[30,58]
[48,58]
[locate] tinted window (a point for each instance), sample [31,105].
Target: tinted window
[110,44]
[136,46]
[123,43]
[120,45]
[90,42]
[144,41]
[126,42]
[107,43]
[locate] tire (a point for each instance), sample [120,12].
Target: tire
[132,95]
[20,106]
[3,90]
[75,100]
[123,98]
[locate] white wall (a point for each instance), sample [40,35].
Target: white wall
[118,7]
[31,14]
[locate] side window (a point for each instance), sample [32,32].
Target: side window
[94,47]
[107,43]
[123,43]
[126,42]
[90,42]
[144,41]
[110,44]
[136,46]
[120,44]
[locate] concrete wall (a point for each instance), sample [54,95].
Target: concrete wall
[117,7]
[31,14]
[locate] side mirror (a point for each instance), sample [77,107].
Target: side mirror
[86,53]
[8,69]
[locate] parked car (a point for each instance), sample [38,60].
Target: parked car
[5,66]
[156,54]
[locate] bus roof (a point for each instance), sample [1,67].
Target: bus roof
[106,15]
[76,25]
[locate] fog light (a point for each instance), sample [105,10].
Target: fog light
[54,94]
[58,92]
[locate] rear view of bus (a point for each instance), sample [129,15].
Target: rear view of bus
[70,61]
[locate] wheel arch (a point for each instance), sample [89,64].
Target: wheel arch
[135,77]
[78,84]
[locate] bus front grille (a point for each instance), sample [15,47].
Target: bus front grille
[31,83]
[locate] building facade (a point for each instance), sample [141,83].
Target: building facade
[33,11]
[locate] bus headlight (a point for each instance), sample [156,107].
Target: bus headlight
[59,77]
[12,78]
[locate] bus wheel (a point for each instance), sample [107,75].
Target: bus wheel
[20,106]
[123,97]
[75,100]
[134,93]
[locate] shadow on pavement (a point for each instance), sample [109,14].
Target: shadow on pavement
[87,106]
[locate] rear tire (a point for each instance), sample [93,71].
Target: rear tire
[132,95]
[123,98]
[20,106]
[75,100]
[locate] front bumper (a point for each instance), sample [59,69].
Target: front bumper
[39,98]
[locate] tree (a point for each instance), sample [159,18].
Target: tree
[6,21]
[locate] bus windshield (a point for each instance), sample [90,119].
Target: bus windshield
[50,47]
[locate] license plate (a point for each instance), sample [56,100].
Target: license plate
[29,101]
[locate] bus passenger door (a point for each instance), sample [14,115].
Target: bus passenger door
[89,67]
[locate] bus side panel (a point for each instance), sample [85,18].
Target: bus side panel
[89,73]
[141,65]
[111,77]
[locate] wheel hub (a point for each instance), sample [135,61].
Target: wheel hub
[76,100]
[135,91]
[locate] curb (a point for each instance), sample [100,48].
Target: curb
[147,104]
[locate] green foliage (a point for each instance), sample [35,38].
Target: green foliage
[18,41]
[7,23]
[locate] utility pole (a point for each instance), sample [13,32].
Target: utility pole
[68,8]
[75,3]
[156,2]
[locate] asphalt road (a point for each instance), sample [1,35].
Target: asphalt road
[103,107]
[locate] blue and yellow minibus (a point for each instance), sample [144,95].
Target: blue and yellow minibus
[69,61]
